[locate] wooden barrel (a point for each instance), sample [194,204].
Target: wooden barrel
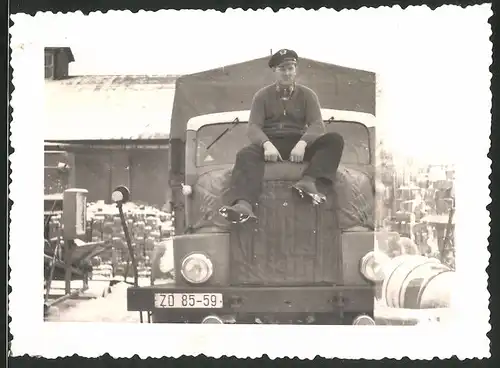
[416,282]
[436,291]
[388,286]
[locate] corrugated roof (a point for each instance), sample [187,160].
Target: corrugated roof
[109,107]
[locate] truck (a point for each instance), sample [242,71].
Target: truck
[298,263]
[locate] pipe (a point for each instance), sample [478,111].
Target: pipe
[130,249]
[129,244]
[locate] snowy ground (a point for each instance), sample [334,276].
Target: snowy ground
[93,306]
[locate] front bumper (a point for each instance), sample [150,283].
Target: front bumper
[306,299]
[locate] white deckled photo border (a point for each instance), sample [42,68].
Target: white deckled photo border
[465,335]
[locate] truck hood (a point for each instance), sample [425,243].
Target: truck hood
[354,190]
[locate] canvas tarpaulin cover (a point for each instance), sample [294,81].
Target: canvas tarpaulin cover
[353,188]
[231,88]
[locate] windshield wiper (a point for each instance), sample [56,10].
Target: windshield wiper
[235,122]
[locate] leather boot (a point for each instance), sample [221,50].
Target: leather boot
[306,187]
[238,213]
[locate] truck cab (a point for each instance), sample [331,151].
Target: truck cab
[298,264]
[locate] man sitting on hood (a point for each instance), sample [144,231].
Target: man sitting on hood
[285,124]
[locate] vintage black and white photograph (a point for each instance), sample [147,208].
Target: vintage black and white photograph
[314,177]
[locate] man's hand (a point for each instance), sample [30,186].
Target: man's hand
[271,153]
[297,154]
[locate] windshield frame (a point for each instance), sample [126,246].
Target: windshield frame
[192,151]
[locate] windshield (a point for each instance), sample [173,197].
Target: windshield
[224,150]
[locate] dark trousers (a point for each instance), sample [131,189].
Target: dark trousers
[323,156]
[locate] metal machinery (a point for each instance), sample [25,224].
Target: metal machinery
[442,227]
[425,214]
[66,256]
[406,210]
[439,223]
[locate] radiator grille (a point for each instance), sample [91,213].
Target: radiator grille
[293,242]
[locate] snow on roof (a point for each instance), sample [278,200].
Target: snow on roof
[108,107]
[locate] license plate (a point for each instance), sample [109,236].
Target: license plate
[185,300]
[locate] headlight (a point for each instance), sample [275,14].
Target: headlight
[197,268]
[372,266]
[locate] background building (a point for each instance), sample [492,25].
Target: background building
[103,131]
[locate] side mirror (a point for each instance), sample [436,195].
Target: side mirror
[121,194]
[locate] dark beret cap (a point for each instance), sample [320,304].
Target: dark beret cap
[282,56]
